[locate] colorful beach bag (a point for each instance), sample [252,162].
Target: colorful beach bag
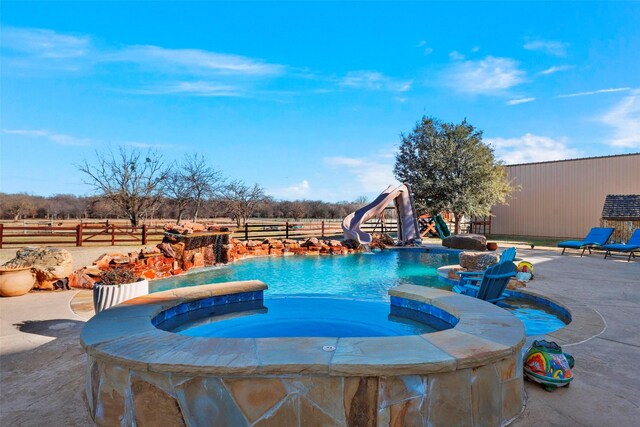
[546,364]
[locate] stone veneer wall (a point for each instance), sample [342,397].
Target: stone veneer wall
[138,374]
[488,395]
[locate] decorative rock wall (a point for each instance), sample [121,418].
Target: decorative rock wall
[179,253]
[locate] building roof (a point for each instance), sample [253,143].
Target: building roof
[574,160]
[622,207]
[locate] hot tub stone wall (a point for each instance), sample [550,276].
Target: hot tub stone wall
[138,374]
[485,396]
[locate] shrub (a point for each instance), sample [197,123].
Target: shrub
[117,276]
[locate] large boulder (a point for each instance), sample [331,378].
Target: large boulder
[49,264]
[477,261]
[474,242]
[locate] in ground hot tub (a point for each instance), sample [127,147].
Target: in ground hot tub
[456,363]
[302,316]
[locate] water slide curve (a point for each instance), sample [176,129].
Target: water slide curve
[407,219]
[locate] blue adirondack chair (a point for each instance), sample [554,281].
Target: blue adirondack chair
[631,246]
[598,236]
[508,255]
[491,284]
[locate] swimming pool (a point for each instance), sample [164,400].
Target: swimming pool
[363,276]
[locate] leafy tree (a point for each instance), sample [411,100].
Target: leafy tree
[448,167]
[131,181]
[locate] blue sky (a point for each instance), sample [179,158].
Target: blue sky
[309,99]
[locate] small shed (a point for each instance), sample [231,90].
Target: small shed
[621,211]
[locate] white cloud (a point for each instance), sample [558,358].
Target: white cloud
[296,191]
[624,118]
[194,60]
[556,69]
[489,76]
[425,49]
[198,88]
[475,49]
[456,56]
[374,80]
[344,161]
[551,47]
[58,138]
[595,92]
[531,148]
[44,43]
[371,174]
[520,101]
[149,145]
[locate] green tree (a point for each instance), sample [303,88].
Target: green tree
[448,167]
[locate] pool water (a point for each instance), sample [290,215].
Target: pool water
[299,317]
[537,319]
[366,276]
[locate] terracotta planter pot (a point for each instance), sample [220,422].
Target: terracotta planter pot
[106,296]
[492,246]
[16,281]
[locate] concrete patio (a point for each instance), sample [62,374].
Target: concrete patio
[42,365]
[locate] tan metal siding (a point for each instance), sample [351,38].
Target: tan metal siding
[564,199]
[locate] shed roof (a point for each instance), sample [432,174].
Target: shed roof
[622,207]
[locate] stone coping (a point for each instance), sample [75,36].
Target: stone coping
[125,335]
[583,322]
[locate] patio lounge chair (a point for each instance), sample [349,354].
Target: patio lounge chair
[598,236]
[508,255]
[491,284]
[631,246]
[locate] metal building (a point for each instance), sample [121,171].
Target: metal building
[564,198]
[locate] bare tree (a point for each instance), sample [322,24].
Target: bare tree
[241,200]
[18,206]
[131,181]
[178,190]
[204,181]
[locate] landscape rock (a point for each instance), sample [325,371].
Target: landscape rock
[384,238]
[80,279]
[312,241]
[475,261]
[351,244]
[49,264]
[516,284]
[474,242]
[167,250]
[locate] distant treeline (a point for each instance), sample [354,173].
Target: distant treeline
[68,206]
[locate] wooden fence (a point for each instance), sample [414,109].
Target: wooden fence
[79,235]
[114,234]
